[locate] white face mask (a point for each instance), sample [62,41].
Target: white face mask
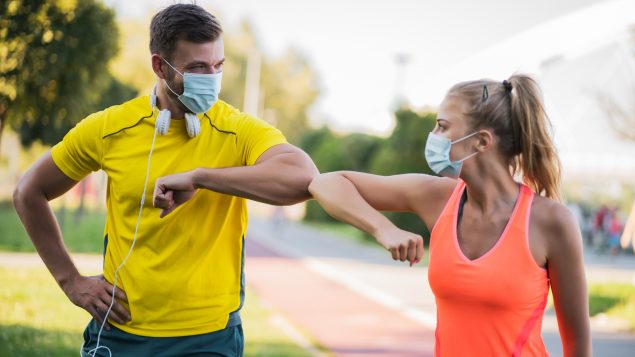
[200,91]
[437,153]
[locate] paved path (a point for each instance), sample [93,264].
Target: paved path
[355,301]
[341,320]
[369,272]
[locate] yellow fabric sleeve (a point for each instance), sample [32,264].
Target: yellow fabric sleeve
[255,136]
[81,150]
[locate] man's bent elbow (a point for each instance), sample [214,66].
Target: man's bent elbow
[23,193]
[297,190]
[17,196]
[20,191]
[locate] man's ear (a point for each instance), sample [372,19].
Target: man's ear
[485,140]
[157,66]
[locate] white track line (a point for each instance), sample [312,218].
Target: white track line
[323,269]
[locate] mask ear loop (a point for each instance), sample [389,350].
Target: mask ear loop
[134,240]
[464,138]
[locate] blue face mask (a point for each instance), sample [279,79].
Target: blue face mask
[437,154]
[200,91]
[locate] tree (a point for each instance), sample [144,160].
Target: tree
[289,89]
[54,65]
[404,148]
[621,118]
[404,153]
[288,85]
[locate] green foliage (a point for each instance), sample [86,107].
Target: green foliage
[603,297]
[85,236]
[401,153]
[333,153]
[37,319]
[288,85]
[615,300]
[54,65]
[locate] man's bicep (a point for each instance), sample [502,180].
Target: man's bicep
[289,150]
[46,177]
[288,156]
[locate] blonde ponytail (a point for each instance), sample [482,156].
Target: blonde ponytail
[514,110]
[537,161]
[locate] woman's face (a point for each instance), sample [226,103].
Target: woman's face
[452,124]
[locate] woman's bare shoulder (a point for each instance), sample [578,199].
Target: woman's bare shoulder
[556,223]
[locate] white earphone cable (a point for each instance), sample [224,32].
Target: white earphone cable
[134,240]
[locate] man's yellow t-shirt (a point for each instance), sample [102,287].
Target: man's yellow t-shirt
[184,275]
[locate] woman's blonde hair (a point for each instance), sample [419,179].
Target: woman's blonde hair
[514,110]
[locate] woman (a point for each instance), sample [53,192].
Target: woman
[496,245]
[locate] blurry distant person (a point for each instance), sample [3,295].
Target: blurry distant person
[628,235]
[599,227]
[496,245]
[278,219]
[613,232]
[579,216]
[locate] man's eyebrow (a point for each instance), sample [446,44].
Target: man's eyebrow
[194,63]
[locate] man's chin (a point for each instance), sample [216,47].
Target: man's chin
[184,108]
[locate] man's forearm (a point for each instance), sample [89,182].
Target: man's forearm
[278,182]
[41,226]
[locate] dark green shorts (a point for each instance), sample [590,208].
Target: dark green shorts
[224,343]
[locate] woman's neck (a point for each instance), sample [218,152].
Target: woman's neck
[490,187]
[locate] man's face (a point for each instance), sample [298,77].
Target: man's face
[202,58]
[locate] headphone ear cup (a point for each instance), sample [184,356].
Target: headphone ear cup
[163,121]
[192,124]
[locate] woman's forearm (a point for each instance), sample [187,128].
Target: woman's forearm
[340,198]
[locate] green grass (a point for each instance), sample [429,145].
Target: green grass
[83,235]
[262,338]
[36,319]
[615,300]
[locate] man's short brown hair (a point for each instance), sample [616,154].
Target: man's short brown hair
[188,22]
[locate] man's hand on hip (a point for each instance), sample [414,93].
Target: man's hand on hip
[94,294]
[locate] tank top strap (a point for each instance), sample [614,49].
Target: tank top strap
[449,210]
[521,216]
[455,198]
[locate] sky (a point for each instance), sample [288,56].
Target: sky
[353,45]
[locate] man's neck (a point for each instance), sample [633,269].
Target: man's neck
[164,101]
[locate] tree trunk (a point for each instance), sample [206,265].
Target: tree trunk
[3,116]
[79,213]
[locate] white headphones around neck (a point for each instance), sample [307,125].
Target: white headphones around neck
[192,124]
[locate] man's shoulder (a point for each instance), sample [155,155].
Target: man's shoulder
[225,117]
[125,115]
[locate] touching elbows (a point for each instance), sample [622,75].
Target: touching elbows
[296,187]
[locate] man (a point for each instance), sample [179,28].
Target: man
[178,267]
